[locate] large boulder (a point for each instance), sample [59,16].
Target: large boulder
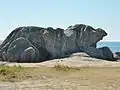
[117,55]
[21,50]
[1,42]
[101,53]
[35,44]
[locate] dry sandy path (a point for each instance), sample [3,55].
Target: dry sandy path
[100,80]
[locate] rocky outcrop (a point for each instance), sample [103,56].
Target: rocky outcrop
[100,53]
[117,55]
[36,44]
[22,50]
[1,42]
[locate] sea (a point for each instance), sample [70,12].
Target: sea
[114,46]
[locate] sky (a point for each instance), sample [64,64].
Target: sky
[103,14]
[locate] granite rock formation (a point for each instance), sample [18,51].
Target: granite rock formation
[36,44]
[117,55]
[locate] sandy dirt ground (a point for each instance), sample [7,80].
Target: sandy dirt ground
[98,79]
[75,60]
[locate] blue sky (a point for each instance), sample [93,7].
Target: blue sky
[61,13]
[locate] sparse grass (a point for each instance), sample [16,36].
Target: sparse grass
[6,70]
[12,74]
[63,77]
[62,67]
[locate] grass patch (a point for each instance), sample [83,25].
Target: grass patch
[19,73]
[13,73]
[60,67]
[65,74]
[6,70]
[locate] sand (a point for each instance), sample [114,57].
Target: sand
[98,75]
[75,60]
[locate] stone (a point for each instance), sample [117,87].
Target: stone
[28,55]
[107,53]
[36,44]
[100,53]
[117,55]
[19,47]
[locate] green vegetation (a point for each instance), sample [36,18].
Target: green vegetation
[14,73]
[62,67]
[63,76]
[19,73]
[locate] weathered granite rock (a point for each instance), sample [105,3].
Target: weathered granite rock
[1,42]
[101,53]
[28,54]
[117,55]
[21,49]
[33,44]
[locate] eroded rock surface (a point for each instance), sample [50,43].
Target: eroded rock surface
[36,44]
